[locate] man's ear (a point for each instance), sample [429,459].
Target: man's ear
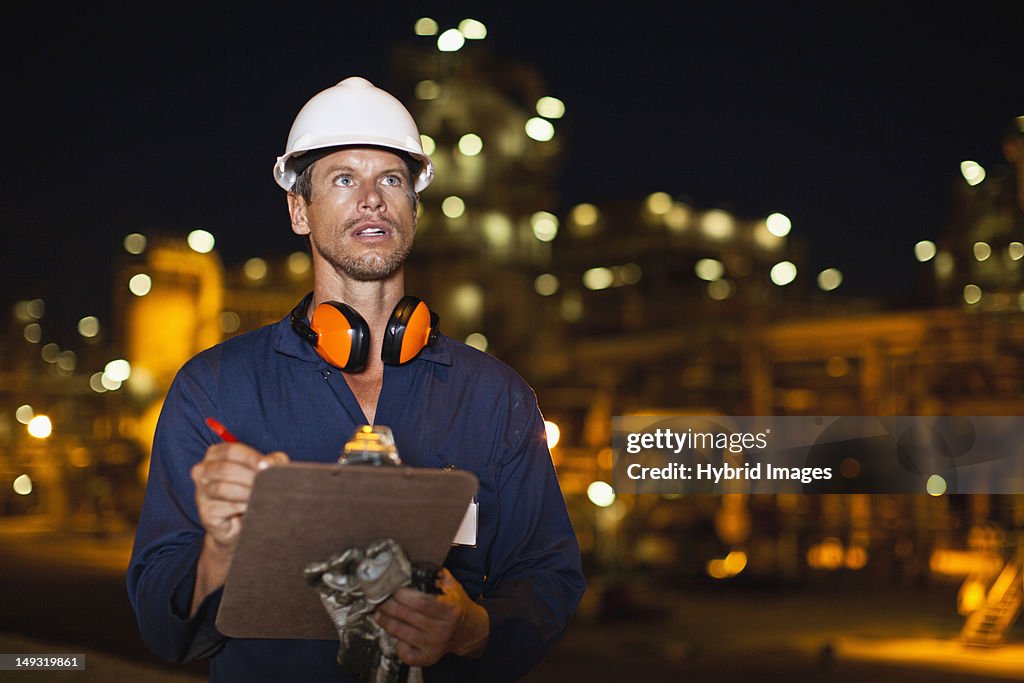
[297,212]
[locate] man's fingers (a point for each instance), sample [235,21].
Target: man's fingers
[236,452]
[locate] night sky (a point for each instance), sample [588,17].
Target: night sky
[852,120]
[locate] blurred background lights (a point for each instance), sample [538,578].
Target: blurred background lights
[96,383]
[540,130]
[50,352]
[425,26]
[255,269]
[89,326]
[546,284]
[924,250]
[477,340]
[659,203]
[944,264]
[135,243]
[140,284]
[553,433]
[299,263]
[778,224]
[982,251]
[23,485]
[709,269]
[497,229]
[783,273]
[972,172]
[830,279]
[107,383]
[201,241]
[35,309]
[551,107]
[598,278]
[601,494]
[470,144]
[472,29]
[720,290]
[230,322]
[24,414]
[545,225]
[630,274]
[453,207]
[972,294]
[429,146]
[118,370]
[427,90]
[935,485]
[33,333]
[584,214]
[678,217]
[67,360]
[451,41]
[40,427]
[717,224]
[1015,251]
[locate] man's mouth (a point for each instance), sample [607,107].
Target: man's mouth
[371,231]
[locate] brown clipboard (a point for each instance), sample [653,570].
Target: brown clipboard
[306,512]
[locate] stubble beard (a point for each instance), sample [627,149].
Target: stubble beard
[365,267]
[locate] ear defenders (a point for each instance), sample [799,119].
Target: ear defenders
[341,336]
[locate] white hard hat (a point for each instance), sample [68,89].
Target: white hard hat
[353,112]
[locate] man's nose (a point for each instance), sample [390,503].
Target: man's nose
[372,199]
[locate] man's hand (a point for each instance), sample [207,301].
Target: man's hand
[223,482]
[429,626]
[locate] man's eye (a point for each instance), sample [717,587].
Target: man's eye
[392,180]
[343,180]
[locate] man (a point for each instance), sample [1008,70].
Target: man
[353,167]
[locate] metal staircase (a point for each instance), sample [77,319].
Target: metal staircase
[987,625]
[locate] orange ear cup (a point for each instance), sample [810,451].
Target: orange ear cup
[411,327]
[342,336]
[417,333]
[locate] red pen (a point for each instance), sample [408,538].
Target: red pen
[221,431]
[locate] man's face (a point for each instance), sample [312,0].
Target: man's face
[362,217]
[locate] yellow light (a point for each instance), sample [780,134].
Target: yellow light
[982,251]
[709,269]
[829,279]
[539,129]
[779,224]
[135,243]
[230,322]
[109,384]
[856,557]
[255,269]
[551,107]
[477,341]
[584,219]
[451,41]
[735,562]
[837,366]
[118,370]
[972,294]
[67,360]
[35,309]
[472,29]
[201,241]
[1015,251]
[716,569]
[601,494]
[427,90]
[299,263]
[40,427]
[96,383]
[428,144]
[972,172]
[936,485]
[546,284]
[497,229]
[659,203]
[453,206]
[553,433]
[140,285]
[468,300]
[783,273]
[598,278]
[425,26]
[24,414]
[717,224]
[33,333]
[545,225]
[944,265]
[720,290]
[630,274]
[925,250]
[470,144]
[971,596]
[89,326]
[23,485]
[678,217]
[50,352]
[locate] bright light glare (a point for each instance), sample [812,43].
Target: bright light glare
[255,269]
[829,279]
[118,370]
[477,341]
[201,241]
[601,494]
[425,26]
[584,214]
[453,206]
[717,224]
[553,433]
[140,284]
[470,144]
[40,427]
[709,269]
[783,273]
[135,243]
[540,130]
[598,278]
[451,41]
[546,284]
[24,414]
[428,144]
[982,251]
[972,294]
[545,225]
[23,485]
[551,107]
[779,224]
[299,263]
[472,29]
[1015,251]
[89,326]
[972,172]
[659,203]
[936,485]
[925,250]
